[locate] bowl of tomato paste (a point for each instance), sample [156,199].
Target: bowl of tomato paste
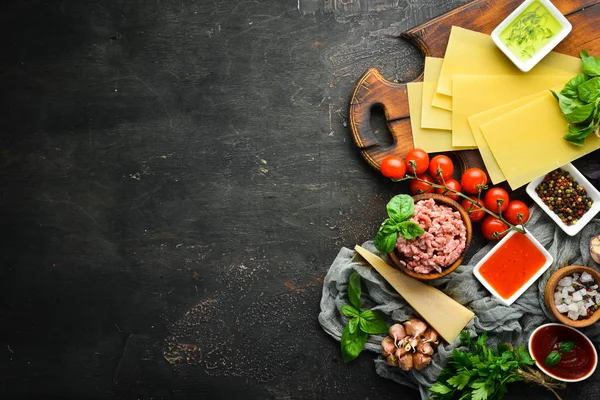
[512,266]
[563,352]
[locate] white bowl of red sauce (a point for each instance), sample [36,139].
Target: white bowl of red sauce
[574,365]
[512,266]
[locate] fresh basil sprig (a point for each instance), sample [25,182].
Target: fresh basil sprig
[362,322]
[579,101]
[555,356]
[399,209]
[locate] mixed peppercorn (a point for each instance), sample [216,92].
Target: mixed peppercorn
[561,193]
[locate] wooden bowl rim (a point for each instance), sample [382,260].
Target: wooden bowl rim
[445,200]
[549,295]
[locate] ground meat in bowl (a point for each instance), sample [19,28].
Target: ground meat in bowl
[442,243]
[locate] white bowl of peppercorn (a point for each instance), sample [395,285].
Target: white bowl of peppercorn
[567,197]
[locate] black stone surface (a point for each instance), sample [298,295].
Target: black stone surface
[175,179]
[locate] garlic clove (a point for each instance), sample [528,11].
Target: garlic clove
[406,362]
[415,327]
[388,346]
[595,249]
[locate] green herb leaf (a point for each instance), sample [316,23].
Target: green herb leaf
[577,134]
[570,89]
[354,289]
[580,114]
[566,347]
[350,311]
[410,230]
[589,90]
[440,389]
[480,392]
[352,343]
[372,322]
[567,104]
[385,242]
[353,324]
[401,207]
[553,358]
[461,380]
[590,65]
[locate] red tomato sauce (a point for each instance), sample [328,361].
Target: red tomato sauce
[512,265]
[573,365]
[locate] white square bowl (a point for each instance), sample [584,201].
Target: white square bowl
[527,284]
[592,192]
[526,65]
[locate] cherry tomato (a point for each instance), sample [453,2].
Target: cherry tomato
[393,167]
[441,165]
[496,198]
[452,184]
[421,159]
[418,187]
[472,179]
[473,209]
[516,209]
[493,228]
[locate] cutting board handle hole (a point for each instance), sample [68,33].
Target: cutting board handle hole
[379,126]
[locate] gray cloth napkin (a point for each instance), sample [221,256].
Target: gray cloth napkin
[511,324]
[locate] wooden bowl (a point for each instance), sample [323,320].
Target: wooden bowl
[551,287]
[443,200]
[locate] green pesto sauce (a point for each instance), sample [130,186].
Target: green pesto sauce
[530,31]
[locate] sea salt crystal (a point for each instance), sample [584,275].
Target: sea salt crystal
[570,289]
[568,300]
[577,296]
[574,315]
[594,287]
[573,307]
[562,308]
[566,281]
[585,277]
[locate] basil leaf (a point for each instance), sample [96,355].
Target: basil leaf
[576,134]
[567,104]
[553,358]
[371,322]
[401,207]
[385,242]
[353,324]
[580,114]
[350,311]
[590,65]
[570,89]
[566,347]
[352,343]
[410,230]
[354,289]
[388,226]
[590,90]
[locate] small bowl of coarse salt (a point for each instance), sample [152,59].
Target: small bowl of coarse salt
[572,295]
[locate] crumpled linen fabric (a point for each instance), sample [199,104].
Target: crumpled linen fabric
[511,324]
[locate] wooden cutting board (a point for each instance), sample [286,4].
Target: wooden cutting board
[431,38]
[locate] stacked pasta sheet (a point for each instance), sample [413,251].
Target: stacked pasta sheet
[475,98]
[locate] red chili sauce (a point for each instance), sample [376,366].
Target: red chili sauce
[573,365]
[512,265]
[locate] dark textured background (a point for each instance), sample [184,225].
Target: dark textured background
[175,179]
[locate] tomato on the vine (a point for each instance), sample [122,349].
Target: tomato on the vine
[473,209]
[418,187]
[492,228]
[421,159]
[472,179]
[441,168]
[393,167]
[451,184]
[496,199]
[517,212]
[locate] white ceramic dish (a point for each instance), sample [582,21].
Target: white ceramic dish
[592,192]
[540,364]
[526,65]
[527,284]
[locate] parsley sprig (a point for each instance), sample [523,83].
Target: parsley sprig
[481,373]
